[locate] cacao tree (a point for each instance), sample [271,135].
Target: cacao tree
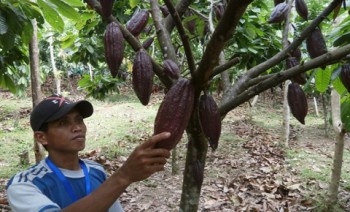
[252,82]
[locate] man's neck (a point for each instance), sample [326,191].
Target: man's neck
[68,161]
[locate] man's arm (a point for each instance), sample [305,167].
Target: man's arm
[142,163]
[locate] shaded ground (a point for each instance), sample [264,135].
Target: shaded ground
[248,172]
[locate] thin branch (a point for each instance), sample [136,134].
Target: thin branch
[219,69]
[183,35]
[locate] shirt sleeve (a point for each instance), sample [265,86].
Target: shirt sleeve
[26,197]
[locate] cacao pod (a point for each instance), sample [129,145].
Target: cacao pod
[164,10]
[279,13]
[106,7]
[345,76]
[138,22]
[301,8]
[297,102]
[198,172]
[148,43]
[295,53]
[315,43]
[300,78]
[171,69]
[114,47]
[210,119]
[219,10]
[291,62]
[174,113]
[142,76]
[278,1]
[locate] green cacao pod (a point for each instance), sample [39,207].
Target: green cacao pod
[106,7]
[297,102]
[138,22]
[171,69]
[279,13]
[142,76]
[210,119]
[316,44]
[301,8]
[114,47]
[345,76]
[174,113]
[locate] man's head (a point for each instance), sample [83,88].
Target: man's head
[55,107]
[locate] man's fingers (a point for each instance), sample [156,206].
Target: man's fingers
[155,139]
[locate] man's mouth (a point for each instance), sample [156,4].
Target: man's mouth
[79,137]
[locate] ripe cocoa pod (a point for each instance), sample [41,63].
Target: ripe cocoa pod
[219,10]
[198,172]
[278,1]
[148,43]
[106,7]
[165,11]
[300,78]
[174,113]
[137,22]
[295,53]
[345,76]
[279,13]
[301,8]
[142,76]
[315,43]
[171,69]
[291,62]
[297,102]
[114,47]
[210,119]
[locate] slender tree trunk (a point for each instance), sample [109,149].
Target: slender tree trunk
[338,152]
[286,111]
[286,115]
[54,69]
[35,83]
[325,114]
[316,107]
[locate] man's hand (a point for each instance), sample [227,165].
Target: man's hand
[145,160]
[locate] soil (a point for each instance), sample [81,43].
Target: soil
[248,172]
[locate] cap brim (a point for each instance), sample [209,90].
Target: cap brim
[84,107]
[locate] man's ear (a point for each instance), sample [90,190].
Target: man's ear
[40,137]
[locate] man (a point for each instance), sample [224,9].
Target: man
[62,181]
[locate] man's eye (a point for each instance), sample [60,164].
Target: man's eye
[62,122]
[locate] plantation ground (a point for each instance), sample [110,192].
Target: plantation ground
[248,172]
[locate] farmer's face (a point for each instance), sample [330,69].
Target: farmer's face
[66,134]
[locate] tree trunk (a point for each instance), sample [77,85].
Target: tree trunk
[35,83]
[332,195]
[194,168]
[325,114]
[174,162]
[54,69]
[286,115]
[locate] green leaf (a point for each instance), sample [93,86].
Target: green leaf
[134,3]
[51,16]
[7,40]
[345,113]
[338,86]
[75,3]
[66,10]
[68,40]
[27,33]
[10,84]
[342,40]
[323,78]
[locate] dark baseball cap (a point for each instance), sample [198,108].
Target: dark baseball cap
[55,107]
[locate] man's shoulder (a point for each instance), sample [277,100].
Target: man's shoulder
[36,171]
[93,164]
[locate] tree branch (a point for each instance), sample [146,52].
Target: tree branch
[183,35]
[219,69]
[241,84]
[221,35]
[282,76]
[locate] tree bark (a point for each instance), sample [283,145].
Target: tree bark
[338,152]
[286,116]
[54,69]
[35,83]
